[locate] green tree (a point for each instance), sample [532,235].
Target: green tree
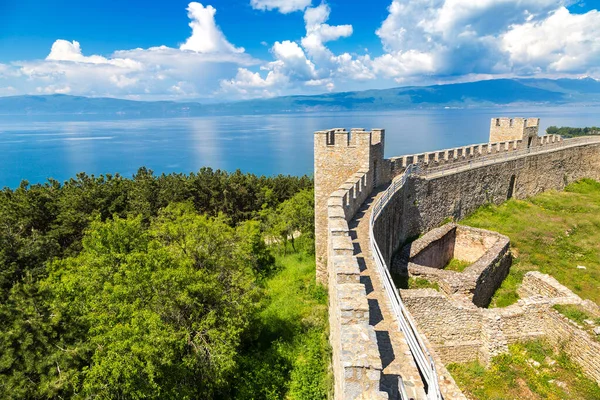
[163,310]
[291,219]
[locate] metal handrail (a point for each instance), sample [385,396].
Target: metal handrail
[418,349]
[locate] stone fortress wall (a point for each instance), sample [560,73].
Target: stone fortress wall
[345,174]
[426,201]
[348,165]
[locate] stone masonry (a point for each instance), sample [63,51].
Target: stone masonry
[340,154]
[524,129]
[450,183]
[463,333]
[487,251]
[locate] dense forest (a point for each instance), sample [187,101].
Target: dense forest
[173,286]
[568,132]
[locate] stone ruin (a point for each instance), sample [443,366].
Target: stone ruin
[454,319]
[487,252]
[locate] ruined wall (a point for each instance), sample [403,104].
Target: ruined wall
[439,250]
[472,243]
[578,344]
[538,284]
[453,330]
[348,165]
[460,333]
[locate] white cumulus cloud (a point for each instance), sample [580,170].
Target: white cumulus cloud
[563,42]
[318,32]
[290,65]
[63,50]
[310,65]
[193,70]
[453,38]
[422,41]
[206,35]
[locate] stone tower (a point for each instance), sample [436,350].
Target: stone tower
[505,129]
[338,155]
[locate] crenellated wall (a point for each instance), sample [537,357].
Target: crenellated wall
[428,199]
[346,162]
[502,129]
[449,158]
[348,165]
[357,365]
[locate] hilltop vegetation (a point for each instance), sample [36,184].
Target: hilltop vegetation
[160,287]
[568,132]
[555,233]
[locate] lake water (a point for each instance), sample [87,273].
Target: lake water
[35,150]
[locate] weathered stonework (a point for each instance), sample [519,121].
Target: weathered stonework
[339,156]
[487,251]
[524,129]
[450,183]
[426,200]
[460,333]
[341,186]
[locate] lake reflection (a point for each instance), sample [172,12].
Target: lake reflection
[265,144]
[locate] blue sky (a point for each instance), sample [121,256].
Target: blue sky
[237,49]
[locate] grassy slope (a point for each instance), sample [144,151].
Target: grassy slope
[290,356]
[517,376]
[553,232]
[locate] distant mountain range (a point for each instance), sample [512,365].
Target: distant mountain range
[472,94]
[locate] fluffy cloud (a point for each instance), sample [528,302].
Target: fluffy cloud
[421,41]
[284,6]
[63,50]
[193,70]
[290,65]
[206,35]
[563,42]
[453,38]
[310,66]
[318,32]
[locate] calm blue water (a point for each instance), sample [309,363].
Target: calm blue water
[264,145]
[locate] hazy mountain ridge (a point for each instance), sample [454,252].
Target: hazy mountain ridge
[471,94]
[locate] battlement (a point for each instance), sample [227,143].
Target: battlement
[356,137]
[349,164]
[339,154]
[515,122]
[505,129]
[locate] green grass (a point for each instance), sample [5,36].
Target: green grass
[553,233]
[517,376]
[578,314]
[414,282]
[289,357]
[457,265]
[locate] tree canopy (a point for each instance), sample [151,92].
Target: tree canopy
[568,132]
[139,288]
